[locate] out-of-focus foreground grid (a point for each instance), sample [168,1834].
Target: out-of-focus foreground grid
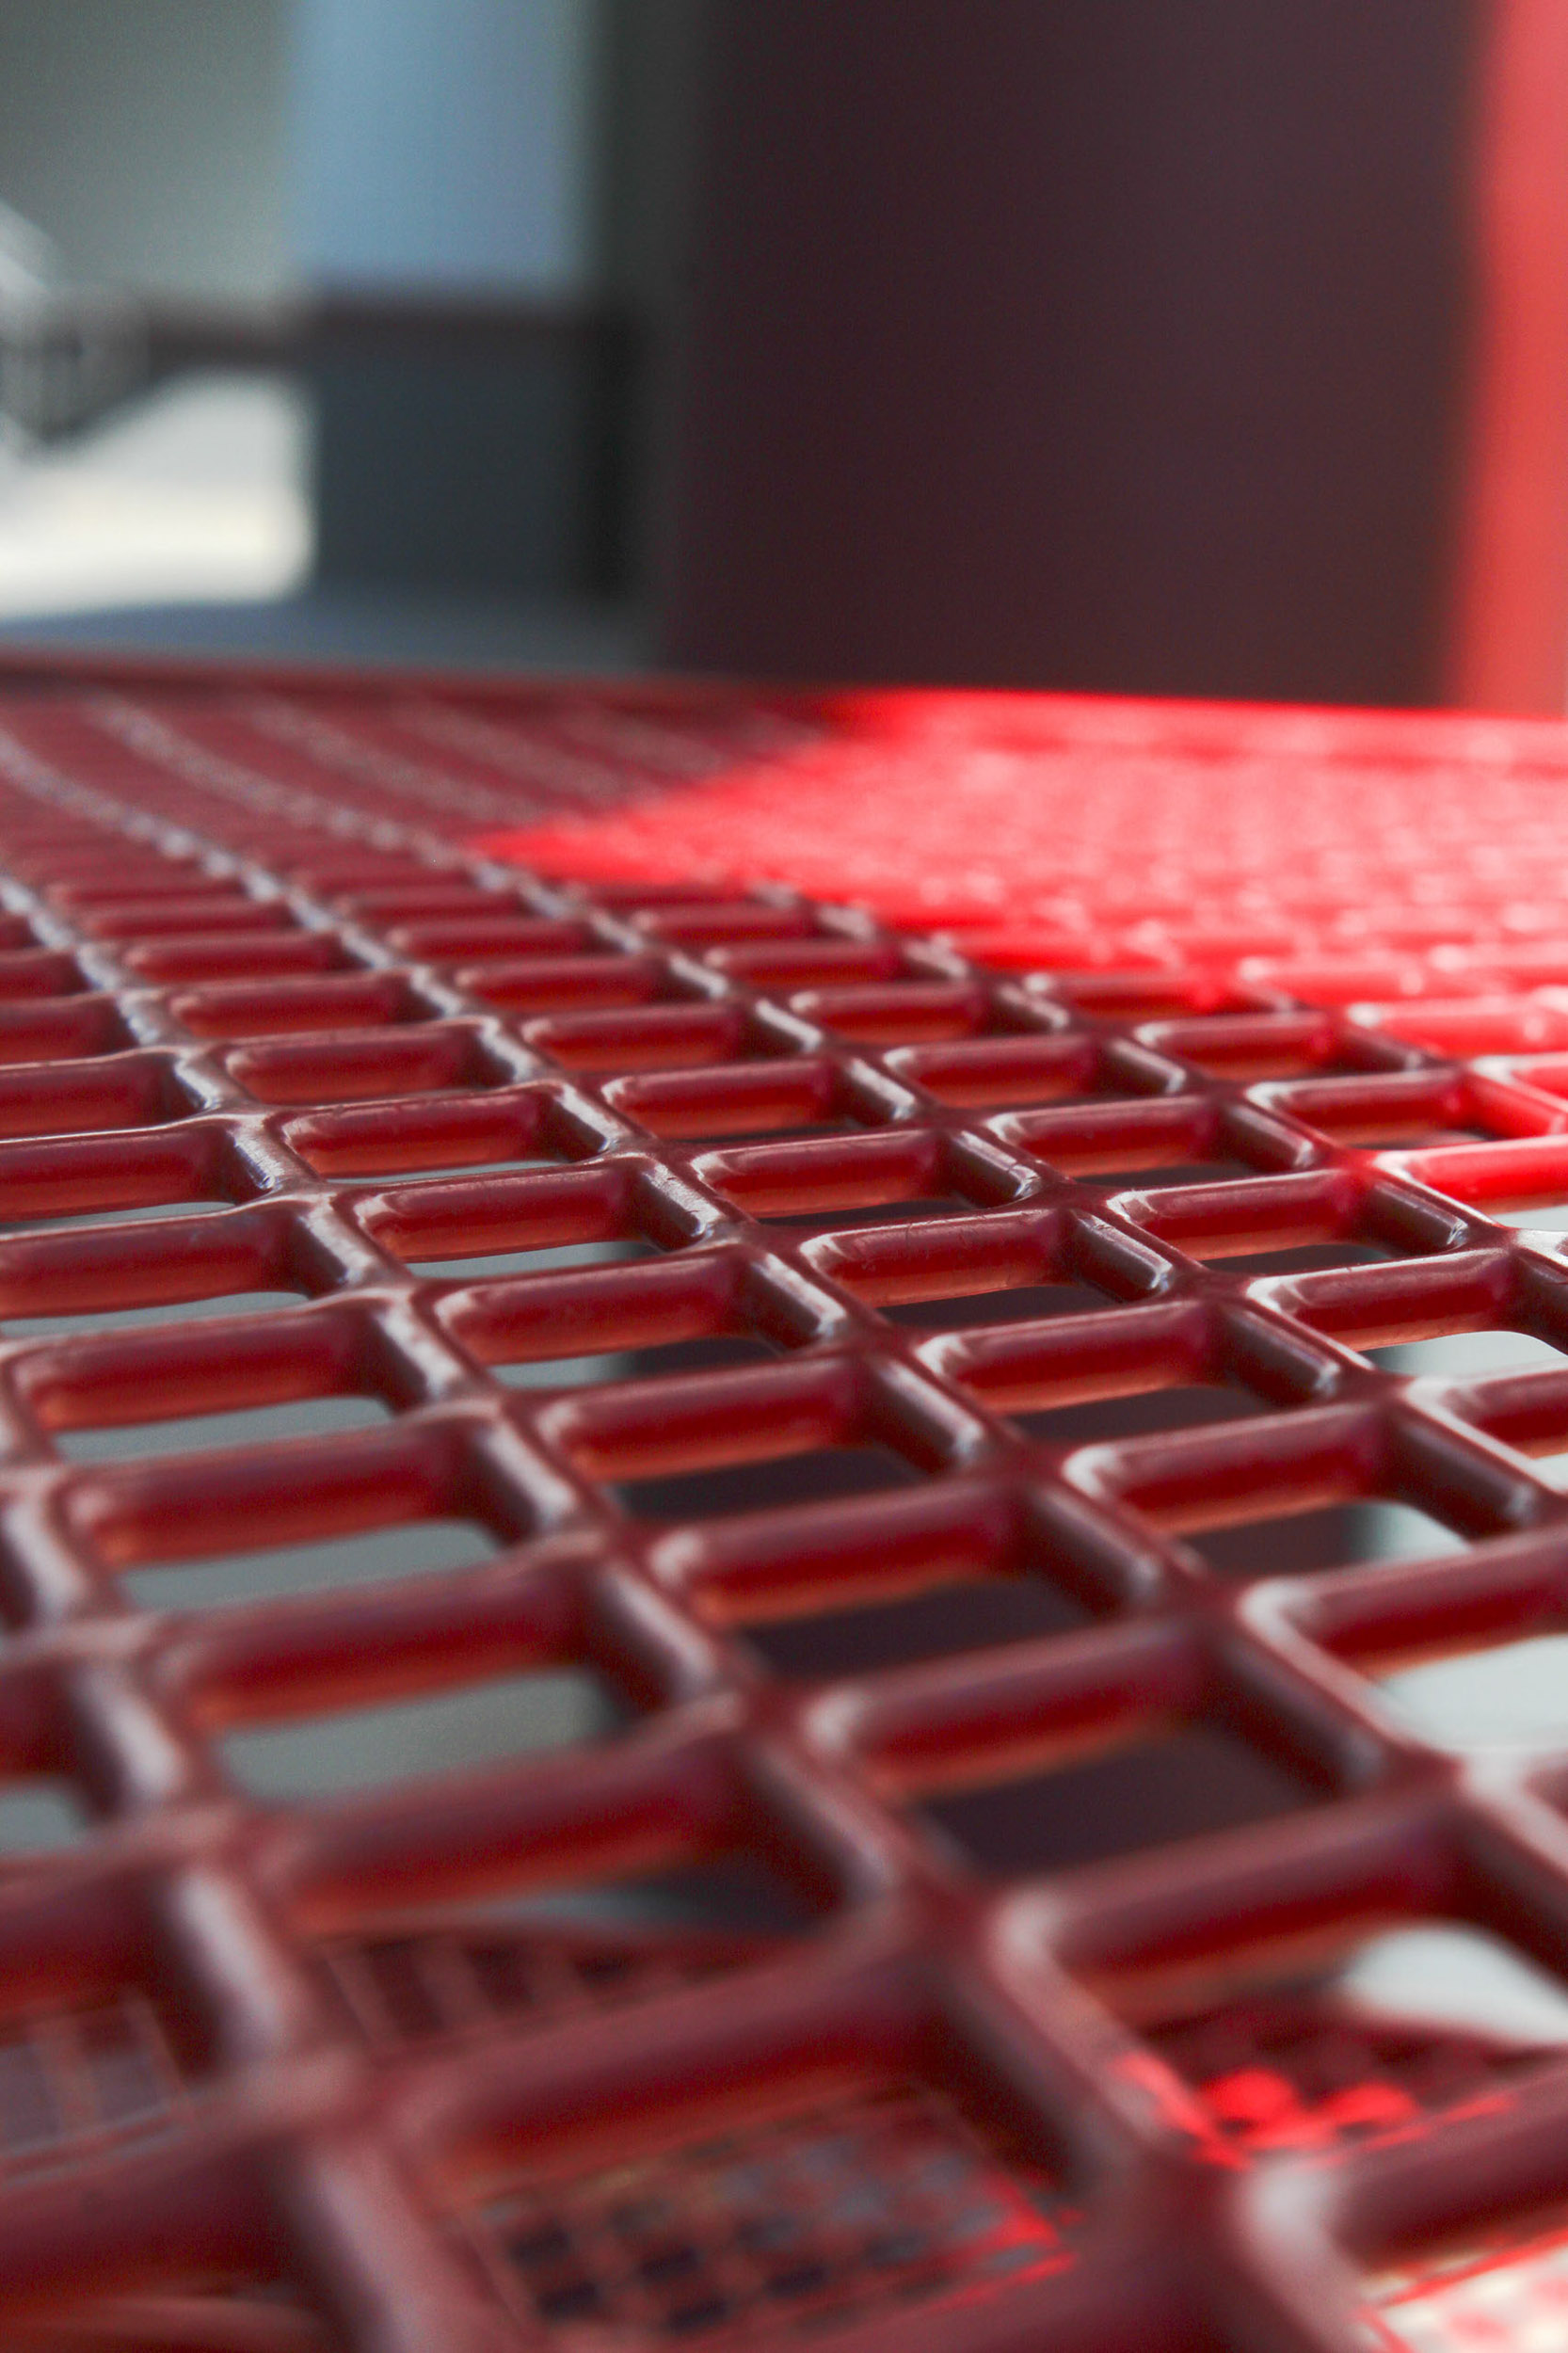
[747,1618]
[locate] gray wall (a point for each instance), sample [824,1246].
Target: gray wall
[149,137]
[234,149]
[449,145]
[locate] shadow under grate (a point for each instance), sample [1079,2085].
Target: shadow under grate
[73,2080]
[541,1961]
[881,2198]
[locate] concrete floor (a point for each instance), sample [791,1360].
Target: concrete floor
[376,628]
[182,524]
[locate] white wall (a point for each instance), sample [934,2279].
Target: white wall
[448,144]
[148,136]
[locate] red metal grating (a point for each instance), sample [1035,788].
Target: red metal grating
[801,1576]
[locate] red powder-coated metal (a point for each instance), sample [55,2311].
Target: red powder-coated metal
[873,1220]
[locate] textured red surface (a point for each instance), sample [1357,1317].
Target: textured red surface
[965,1917]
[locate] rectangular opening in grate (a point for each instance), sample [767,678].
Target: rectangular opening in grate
[1298,1542]
[905,1212]
[37,1815]
[363,1065]
[567,1372]
[61,1029]
[98,2073]
[1526,1408]
[1503,2282]
[1007,1303]
[816,1475]
[1423,1139]
[682,1037]
[320,1565]
[785,1131]
[498,1263]
[337,1007]
[1545,1217]
[974,1614]
[145,1213]
[721,1354]
[732,1895]
[1166,1785]
[1302,1222]
[123,1090]
[1144,996]
[1502,1695]
[255,1425]
[1469,1355]
[437,1163]
[1308,1257]
[796,1097]
[439,1732]
[905,1012]
[1167,1137]
[1354,2036]
[1221,1169]
[1548,1458]
[525,985]
[65,1322]
[1260,1046]
[1188,1406]
[870,2200]
[1029,1070]
[1411,1110]
[539,1961]
[1421,1136]
[505,1133]
[891,1175]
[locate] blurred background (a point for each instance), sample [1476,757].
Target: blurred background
[1005,342]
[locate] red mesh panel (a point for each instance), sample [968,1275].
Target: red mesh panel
[783,1527]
